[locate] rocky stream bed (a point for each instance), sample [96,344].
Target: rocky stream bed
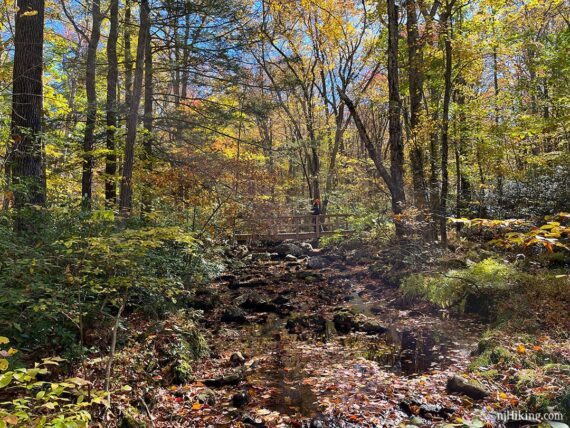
[302,337]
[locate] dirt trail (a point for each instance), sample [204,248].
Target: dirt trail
[327,347]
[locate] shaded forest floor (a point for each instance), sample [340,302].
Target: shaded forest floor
[320,345]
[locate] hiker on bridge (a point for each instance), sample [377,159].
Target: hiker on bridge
[316,210]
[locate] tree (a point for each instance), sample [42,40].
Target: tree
[394,175]
[112,106]
[446,23]
[415,78]
[126,197]
[27,152]
[394,112]
[147,120]
[91,117]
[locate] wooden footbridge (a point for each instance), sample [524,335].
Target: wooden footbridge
[297,227]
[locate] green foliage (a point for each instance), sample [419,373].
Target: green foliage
[452,288]
[520,234]
[57,285]
[39,403]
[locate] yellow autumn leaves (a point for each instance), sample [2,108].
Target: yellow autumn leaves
[8,353]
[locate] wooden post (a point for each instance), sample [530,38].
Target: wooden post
[318,225]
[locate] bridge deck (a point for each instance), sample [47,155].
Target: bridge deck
[298,227]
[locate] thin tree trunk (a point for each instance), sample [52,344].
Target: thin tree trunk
[128,56]
[445,126]
[126,197]
[27,154]
[338,137]
[112,106]
[148,122]
[91,119]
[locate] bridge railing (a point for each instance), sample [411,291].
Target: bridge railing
[299,227]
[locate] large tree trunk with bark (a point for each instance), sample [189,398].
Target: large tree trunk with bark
[26,159]
[395,124]
[126,197]
[91,117]
[112,106]
[415,77]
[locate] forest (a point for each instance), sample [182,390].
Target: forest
[284,213]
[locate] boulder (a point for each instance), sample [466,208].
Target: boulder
[371,326]
[131,418]
[207,396]
[289,248]
[234,314]
[414,407]
[240,399]
[307,247]
[237,359]
[232,378]
[256,303]
[363,255]
[240,251]
[309,276]
[317,262]
[301,323]
[459,385]
[204,298]
[261,257]
[350,244]
[346,321]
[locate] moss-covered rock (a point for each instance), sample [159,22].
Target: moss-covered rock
[131,418]
[177,344]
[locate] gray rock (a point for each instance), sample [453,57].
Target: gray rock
[310,276]
[307,247]
[241,251]
[240,399]
[234,314]
[317,262]
[237,359]
[256,303]
[346,321]
[207,396]
[229,379]
[459,385]
[261,257]
[350,244]
[289,248]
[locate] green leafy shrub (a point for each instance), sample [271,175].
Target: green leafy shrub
[58,285]
[455,287]
[27,400]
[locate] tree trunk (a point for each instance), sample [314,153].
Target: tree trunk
[27,155]
[445,126]
[91,117]
[128,56]
[126,197]
[147,122]
[415,77]
[395,125]
[112,106]
[338,137]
